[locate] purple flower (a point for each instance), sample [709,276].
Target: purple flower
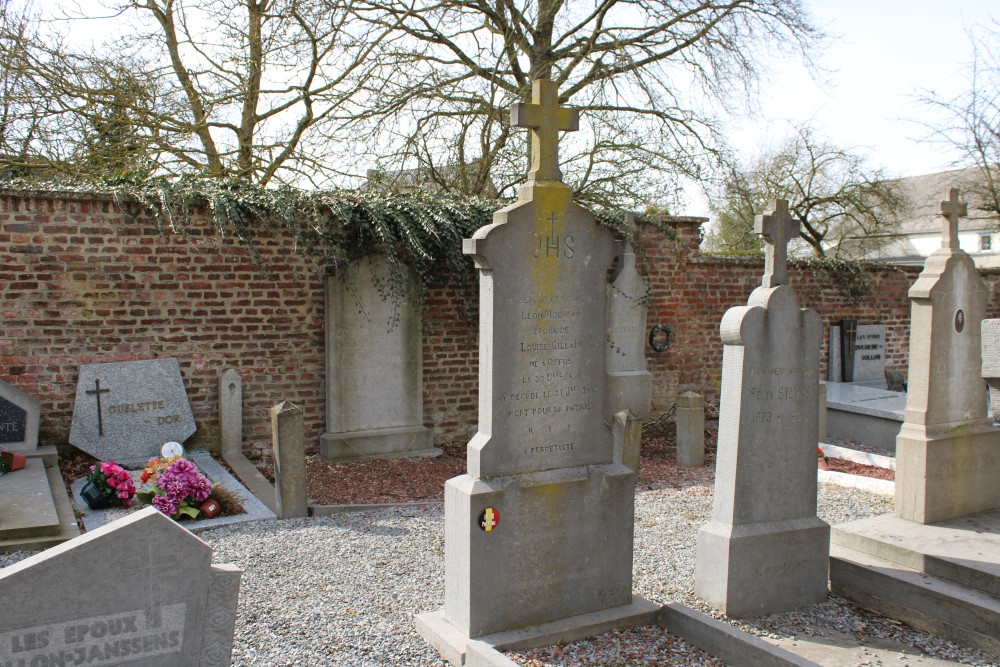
[165,504]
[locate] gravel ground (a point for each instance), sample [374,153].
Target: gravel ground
[341,590]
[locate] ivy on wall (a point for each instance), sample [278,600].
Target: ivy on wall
[418,229]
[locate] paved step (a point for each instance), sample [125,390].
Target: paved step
[939,606]
[964,550]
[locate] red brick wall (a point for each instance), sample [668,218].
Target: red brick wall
[84,281]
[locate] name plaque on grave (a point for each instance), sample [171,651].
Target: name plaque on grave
[19,417]
[13,422]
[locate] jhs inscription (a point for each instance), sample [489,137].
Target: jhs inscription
[559,246]
[100,640]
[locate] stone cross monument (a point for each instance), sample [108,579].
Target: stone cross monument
[765,550]
[947,452]
[540,528]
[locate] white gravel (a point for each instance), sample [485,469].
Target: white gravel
[341,590]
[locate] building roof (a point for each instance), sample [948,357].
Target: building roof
[925,194]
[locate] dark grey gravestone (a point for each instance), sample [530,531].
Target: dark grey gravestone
[141,591]
[19,415]
[126,410]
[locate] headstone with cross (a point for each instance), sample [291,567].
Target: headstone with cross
[946,462]
[170,607]
[765,549]
[778,227]
[126,410]
[542,465]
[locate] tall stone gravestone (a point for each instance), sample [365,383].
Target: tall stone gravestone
[947,452]
[374,367]
[629,385]
[765,549]
[125,410]
[19,418]
[141,591]
[540,528]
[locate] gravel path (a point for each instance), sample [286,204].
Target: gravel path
[341,590]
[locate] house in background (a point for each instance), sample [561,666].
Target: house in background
[919,230]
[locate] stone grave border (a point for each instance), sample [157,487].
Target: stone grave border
[255,509]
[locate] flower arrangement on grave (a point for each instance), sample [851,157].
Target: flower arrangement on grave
[176,488]
[154,467]
[821,459]
[108,484]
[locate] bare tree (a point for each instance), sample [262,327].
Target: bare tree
[974,130]
[844,205]
[223,88]
[647,76]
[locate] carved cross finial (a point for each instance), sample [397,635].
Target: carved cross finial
[545,118]
[952,209]
[778,227]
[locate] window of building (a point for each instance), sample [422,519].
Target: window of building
[985,241]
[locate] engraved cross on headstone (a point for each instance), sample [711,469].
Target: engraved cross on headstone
[778,227]
[140,566]
[952,209]
[545,118]
[97,391]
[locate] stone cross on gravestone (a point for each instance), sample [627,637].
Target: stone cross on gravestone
[778,227]
[545,119]
[96,392]
[952,209]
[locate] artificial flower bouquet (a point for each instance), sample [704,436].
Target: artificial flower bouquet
[109,484]
[174,486]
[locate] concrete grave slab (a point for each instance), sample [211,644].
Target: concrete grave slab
[126,410]
[27,508]
[150,598]
[19,417]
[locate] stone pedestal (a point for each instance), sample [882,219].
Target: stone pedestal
[690,418]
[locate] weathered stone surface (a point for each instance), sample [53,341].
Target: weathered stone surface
[374,366]
[150,597]
[27,508]
[690,418]
[231,412]
[626,431]
[541,388]
[19,417]
[126,410]
[947,452]
[289,446]
[629,385]
[765,549]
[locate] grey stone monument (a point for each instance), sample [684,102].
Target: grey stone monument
[139,592]
[629,385]
[374,367]
[540,528]
[690,430]
[947,452]
[991,363]
[288,440]
[765,550]
[20,413]
[231,413]
[126,410]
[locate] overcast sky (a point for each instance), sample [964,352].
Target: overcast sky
[881,55]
